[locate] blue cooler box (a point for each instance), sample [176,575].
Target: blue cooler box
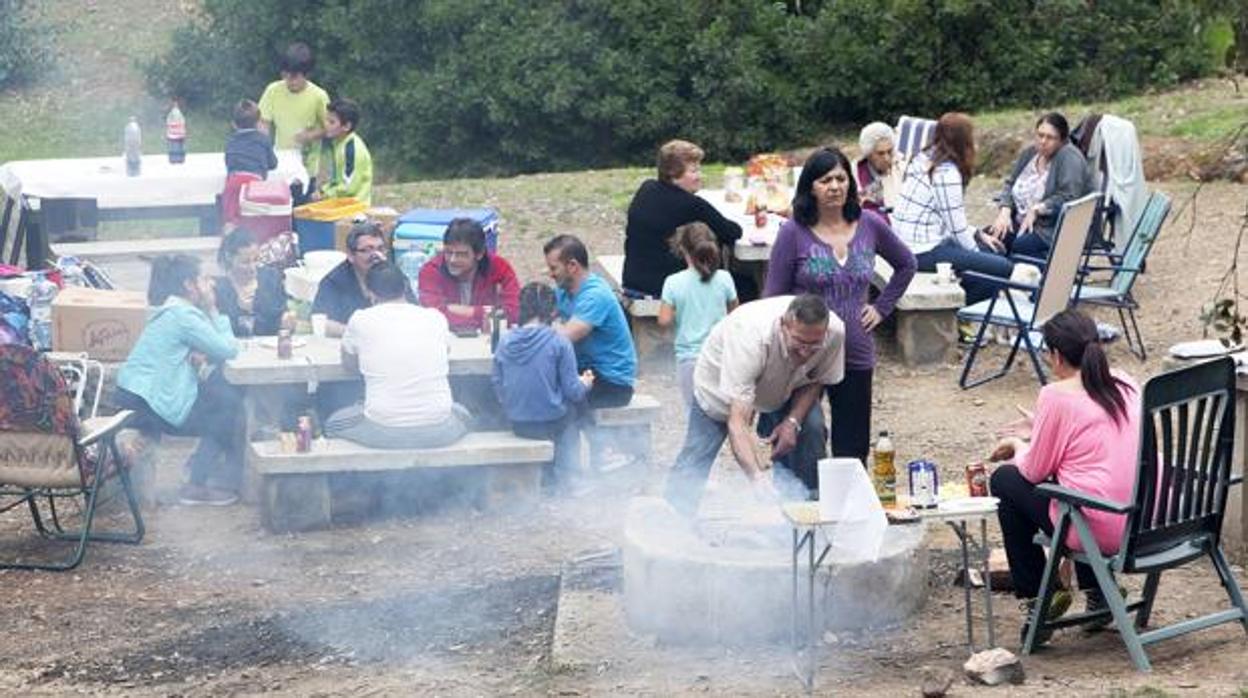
[423,227]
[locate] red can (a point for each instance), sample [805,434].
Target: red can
[285,345]
[977,480]
[303,435]
[760,218]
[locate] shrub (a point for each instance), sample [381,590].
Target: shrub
[519,85]
[24,43]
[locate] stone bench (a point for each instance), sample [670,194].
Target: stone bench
[643,313]
[298,491]
[927,316]
[630,425]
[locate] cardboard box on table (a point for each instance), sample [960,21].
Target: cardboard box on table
[104,324]
[384,215]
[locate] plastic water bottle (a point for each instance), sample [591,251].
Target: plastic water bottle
[41,294]
[134,147]
[410,263]
[175,135]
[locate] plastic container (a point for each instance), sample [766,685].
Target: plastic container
[419,224]
[265,208]
[42,293]
[315,222]
[132,138]
[175,135]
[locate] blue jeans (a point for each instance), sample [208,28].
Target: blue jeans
[981,260]
[1028,245]
[704,437]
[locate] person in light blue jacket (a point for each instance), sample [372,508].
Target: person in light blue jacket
[186,338]
[537,384]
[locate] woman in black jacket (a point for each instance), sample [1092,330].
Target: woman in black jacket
[249,294]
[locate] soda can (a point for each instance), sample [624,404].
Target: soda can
[760,218]
[285,345]
[303,435]
[924,483]
[977,480]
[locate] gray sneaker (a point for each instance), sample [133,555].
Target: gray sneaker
[200,496]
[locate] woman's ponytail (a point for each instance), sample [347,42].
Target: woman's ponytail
[1073,335]
[698,242]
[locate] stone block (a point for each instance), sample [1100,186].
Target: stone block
[926,337]
[296,502]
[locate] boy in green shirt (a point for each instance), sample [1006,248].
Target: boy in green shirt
[352,172]
[293,109]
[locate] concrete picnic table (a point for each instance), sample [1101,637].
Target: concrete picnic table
[319,359]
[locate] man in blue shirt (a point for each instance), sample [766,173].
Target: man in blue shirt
[593,320]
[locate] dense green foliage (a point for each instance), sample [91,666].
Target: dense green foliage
[519,85]
[24,43]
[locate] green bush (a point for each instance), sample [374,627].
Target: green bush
[496,86]
[24,45]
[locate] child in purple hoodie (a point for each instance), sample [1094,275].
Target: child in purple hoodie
[536,381]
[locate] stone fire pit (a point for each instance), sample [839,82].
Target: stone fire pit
[729,581]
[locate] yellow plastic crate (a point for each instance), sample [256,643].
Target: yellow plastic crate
[329,210]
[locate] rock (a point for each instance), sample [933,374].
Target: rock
[936,681]
[994,667]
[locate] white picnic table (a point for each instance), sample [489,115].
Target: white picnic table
[319,359]
[755,243]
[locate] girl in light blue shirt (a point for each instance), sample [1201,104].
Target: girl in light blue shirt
[695,299]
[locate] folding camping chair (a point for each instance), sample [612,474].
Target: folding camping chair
[1126,268]
[1025,313]
[913,135]
[1175,515]
[45,457]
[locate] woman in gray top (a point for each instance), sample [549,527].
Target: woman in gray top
[1046,175]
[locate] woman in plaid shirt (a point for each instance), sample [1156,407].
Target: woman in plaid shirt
[931,212]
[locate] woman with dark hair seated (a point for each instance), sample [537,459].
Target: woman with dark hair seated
[662,205]
[829,249]
[1084,434]
[1048,173]
[162,382]
[249,294]
[931,212]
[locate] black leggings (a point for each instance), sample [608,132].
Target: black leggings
[1023,513]
[849,404]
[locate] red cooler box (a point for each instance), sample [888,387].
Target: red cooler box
[265,208]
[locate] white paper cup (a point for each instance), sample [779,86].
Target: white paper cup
[944,272]
[318,324]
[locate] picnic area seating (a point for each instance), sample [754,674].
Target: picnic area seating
[630,424]
[643,313]
[49,456]
[1023,314]
[489,469]
[1175,516]
[926,316]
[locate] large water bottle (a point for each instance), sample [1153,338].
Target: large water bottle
[175,135]
[42,292]
[134,147]
[410,263]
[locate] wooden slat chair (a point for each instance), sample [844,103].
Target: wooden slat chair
[47,455]
[1025,313]
[1126,269]
[1175,514]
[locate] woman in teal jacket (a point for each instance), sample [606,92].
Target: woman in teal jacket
[185,337]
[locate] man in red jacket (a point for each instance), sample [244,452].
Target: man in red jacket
[465,280]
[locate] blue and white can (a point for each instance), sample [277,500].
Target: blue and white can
[924,483]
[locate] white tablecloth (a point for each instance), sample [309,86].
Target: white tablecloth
[755,243]
[195,182]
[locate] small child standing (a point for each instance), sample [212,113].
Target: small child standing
[695,299]
[537,384]
[352,173]
[248,149]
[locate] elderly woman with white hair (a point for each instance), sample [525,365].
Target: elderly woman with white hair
[878,181]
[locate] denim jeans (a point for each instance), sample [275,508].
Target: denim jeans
[981,260]
[350,423]
[1028,245]
[566,433]
[705,435]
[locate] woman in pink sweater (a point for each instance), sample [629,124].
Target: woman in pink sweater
[1085,435]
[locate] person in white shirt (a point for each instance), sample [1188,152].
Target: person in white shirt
[930,216]
[403,352]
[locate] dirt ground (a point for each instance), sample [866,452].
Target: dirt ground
[463,603]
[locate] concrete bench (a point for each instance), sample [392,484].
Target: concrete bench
[927,320]
[488,469]
[643,313]
[629,426]
[128,262]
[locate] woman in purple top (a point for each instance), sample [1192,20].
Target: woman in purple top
[829,249]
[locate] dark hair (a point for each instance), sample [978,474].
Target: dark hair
[537,300]
[465,231]
[234,241]
[246,114]
[347,111]
[297,59]
[1073,335]
[386,281]
[953,140]
[821,162]
[367,229]
[570,249]
[808,309]
[1058,122]
[696,240]
[170,273]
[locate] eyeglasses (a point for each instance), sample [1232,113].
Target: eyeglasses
[369,250]
[458,254]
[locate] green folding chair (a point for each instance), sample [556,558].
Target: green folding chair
[1174,517]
